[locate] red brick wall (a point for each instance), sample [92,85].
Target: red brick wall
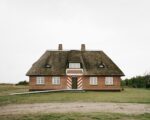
[101,84]
[48,84]
[63,84]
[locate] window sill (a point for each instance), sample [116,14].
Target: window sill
[40,84]
[56,84]
[94,84]
[109,85]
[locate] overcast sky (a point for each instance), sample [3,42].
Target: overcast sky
[121,28]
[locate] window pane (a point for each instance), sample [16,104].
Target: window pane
[40,80]
[55,80]
[109,81]
[93,80]
[74,65]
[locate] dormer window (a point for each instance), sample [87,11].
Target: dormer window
[74,65]
[101,65]
[48,66]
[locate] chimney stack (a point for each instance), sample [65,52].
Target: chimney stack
[60,47]
[82,47]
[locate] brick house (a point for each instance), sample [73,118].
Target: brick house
[74,69]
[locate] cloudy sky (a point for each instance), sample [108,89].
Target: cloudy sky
[121,28]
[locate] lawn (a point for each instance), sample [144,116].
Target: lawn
[129,95]
[6,89]
[77,116]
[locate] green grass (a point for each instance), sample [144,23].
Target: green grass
[129,95]
[6,89]
[77,116]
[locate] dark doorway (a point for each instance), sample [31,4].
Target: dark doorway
[74,82]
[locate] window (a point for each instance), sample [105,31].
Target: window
[108,80]
[101,65]
[93,80]
[48,66]
[74,65]
[40,80]
[55,80]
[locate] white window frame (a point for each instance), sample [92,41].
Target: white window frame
[93,81]
[74,65]
[40,80]
[109,81]
[56,80]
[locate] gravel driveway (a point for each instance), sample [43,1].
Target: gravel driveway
[127,108]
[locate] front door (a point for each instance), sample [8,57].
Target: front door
[74,82]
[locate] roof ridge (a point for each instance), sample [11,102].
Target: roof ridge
[73,50]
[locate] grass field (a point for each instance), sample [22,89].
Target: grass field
[6,89]
[129,95]
[77,116]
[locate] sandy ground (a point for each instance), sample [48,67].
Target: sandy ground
[127,108]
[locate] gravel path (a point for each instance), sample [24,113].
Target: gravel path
[127,108]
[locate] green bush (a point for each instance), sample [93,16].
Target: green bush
[23,83]
[137,82]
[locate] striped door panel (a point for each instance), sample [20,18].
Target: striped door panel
[80,83]
[69,83]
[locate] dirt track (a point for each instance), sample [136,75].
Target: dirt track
[127,108]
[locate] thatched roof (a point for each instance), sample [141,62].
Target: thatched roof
[92,62]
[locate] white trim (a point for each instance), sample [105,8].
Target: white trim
[40,80]
[74,73]
[109,81]
[93,81]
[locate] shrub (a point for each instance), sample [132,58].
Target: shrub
[23,83]
[137,82]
